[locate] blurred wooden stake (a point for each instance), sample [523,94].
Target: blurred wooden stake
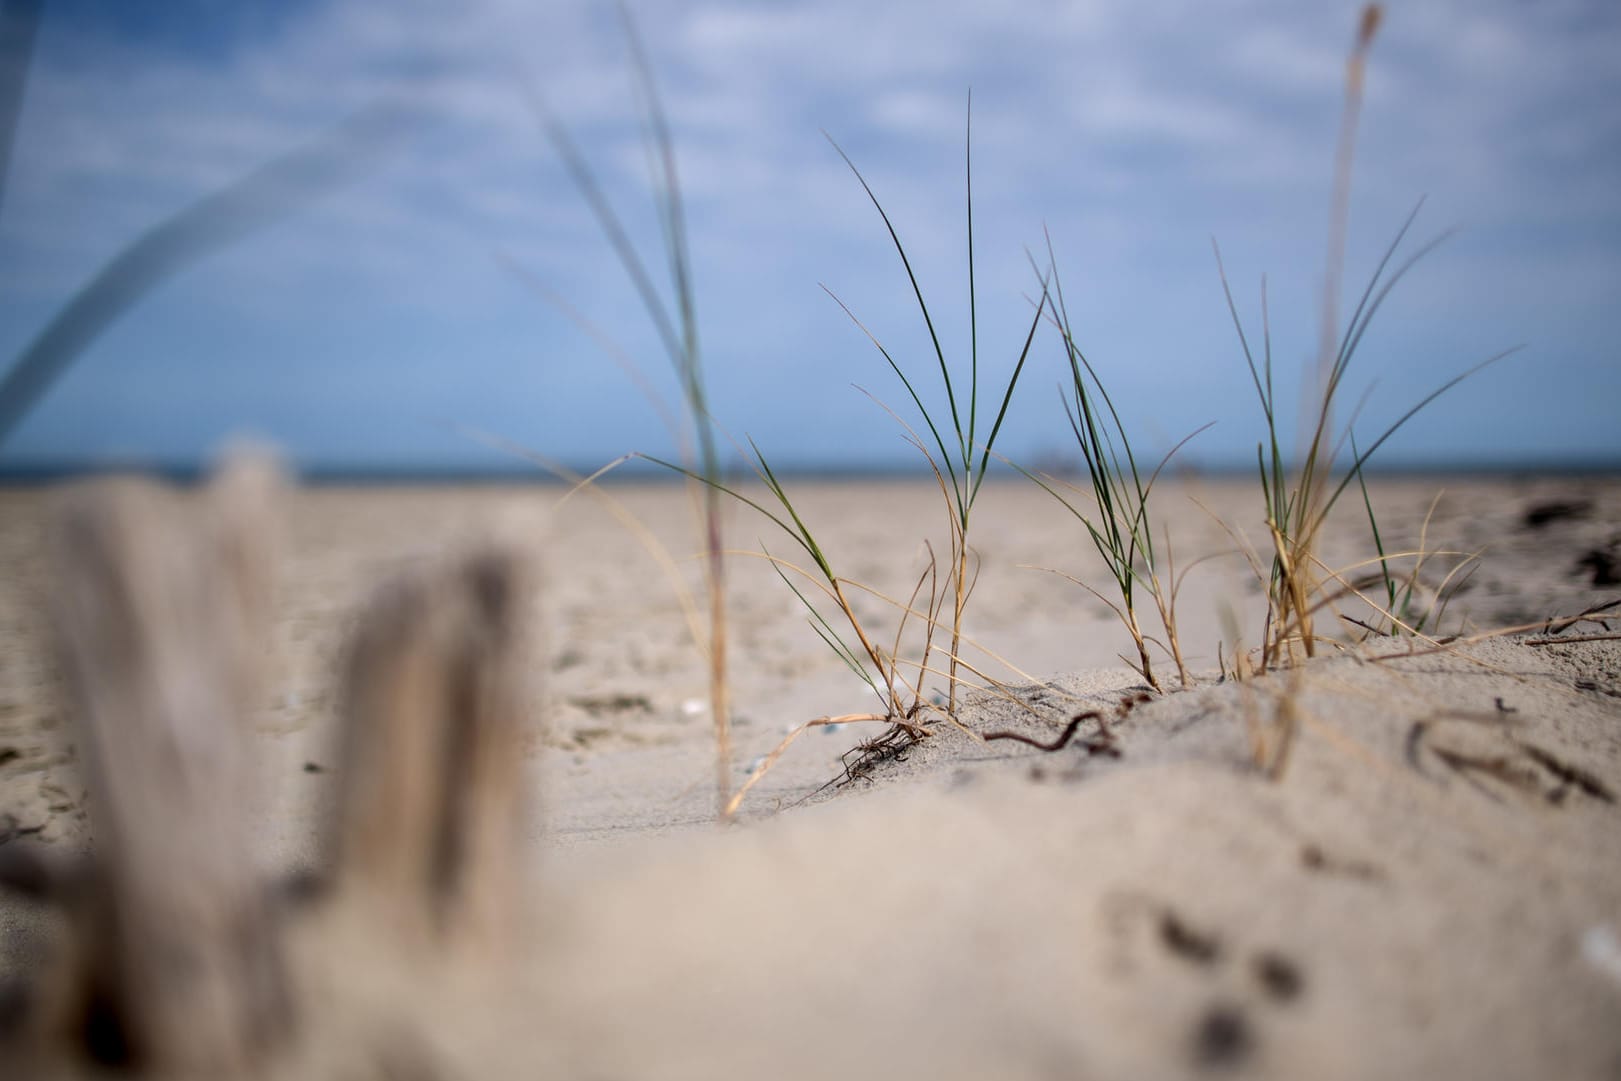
[160,608]
[176,960]
[428,824]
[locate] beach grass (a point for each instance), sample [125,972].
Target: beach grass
[958,460]
[1298,495]
[1121,527]
[1299,498]
[957,455]
[675,320]
[956,437]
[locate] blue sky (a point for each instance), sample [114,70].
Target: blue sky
[374,326]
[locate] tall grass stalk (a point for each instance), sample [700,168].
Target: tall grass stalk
[963,458]
[1298,501]
[677,328]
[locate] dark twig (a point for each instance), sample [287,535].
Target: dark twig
[1590,614]
[1566,640]
[1103,743]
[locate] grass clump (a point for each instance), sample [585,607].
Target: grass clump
[1298,500]
[956,432]
[1120,529]
[900,696]
[956,455]
[959,461]
[901,699]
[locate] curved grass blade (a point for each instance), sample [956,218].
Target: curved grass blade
[248,204]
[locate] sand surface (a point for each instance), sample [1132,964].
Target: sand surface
[1432,887]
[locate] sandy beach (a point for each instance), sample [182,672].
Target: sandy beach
[1430,888]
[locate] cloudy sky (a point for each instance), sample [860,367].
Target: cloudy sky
[427,296]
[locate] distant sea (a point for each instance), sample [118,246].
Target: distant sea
[31,473]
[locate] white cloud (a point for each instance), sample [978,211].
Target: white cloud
[1135,129]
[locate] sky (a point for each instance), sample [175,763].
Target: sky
[451,297]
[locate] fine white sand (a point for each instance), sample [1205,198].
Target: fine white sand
[1432,887]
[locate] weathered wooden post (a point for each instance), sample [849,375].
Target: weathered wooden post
[160,608]
[429,812]
[177,959]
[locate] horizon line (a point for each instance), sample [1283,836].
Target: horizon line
[333,473]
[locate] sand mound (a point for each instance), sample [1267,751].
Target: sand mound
[1428,885]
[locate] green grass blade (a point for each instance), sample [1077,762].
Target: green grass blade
[928,420]
[1362,458]
[802,532]
[250,203]
[723,489]
[1007,398]
[973,308]
[673,217]
[917,291]
[825,631]
[1105,547]
[1373,525]
[614,231]
[1384,261]
[1243,339]
[1360,329]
